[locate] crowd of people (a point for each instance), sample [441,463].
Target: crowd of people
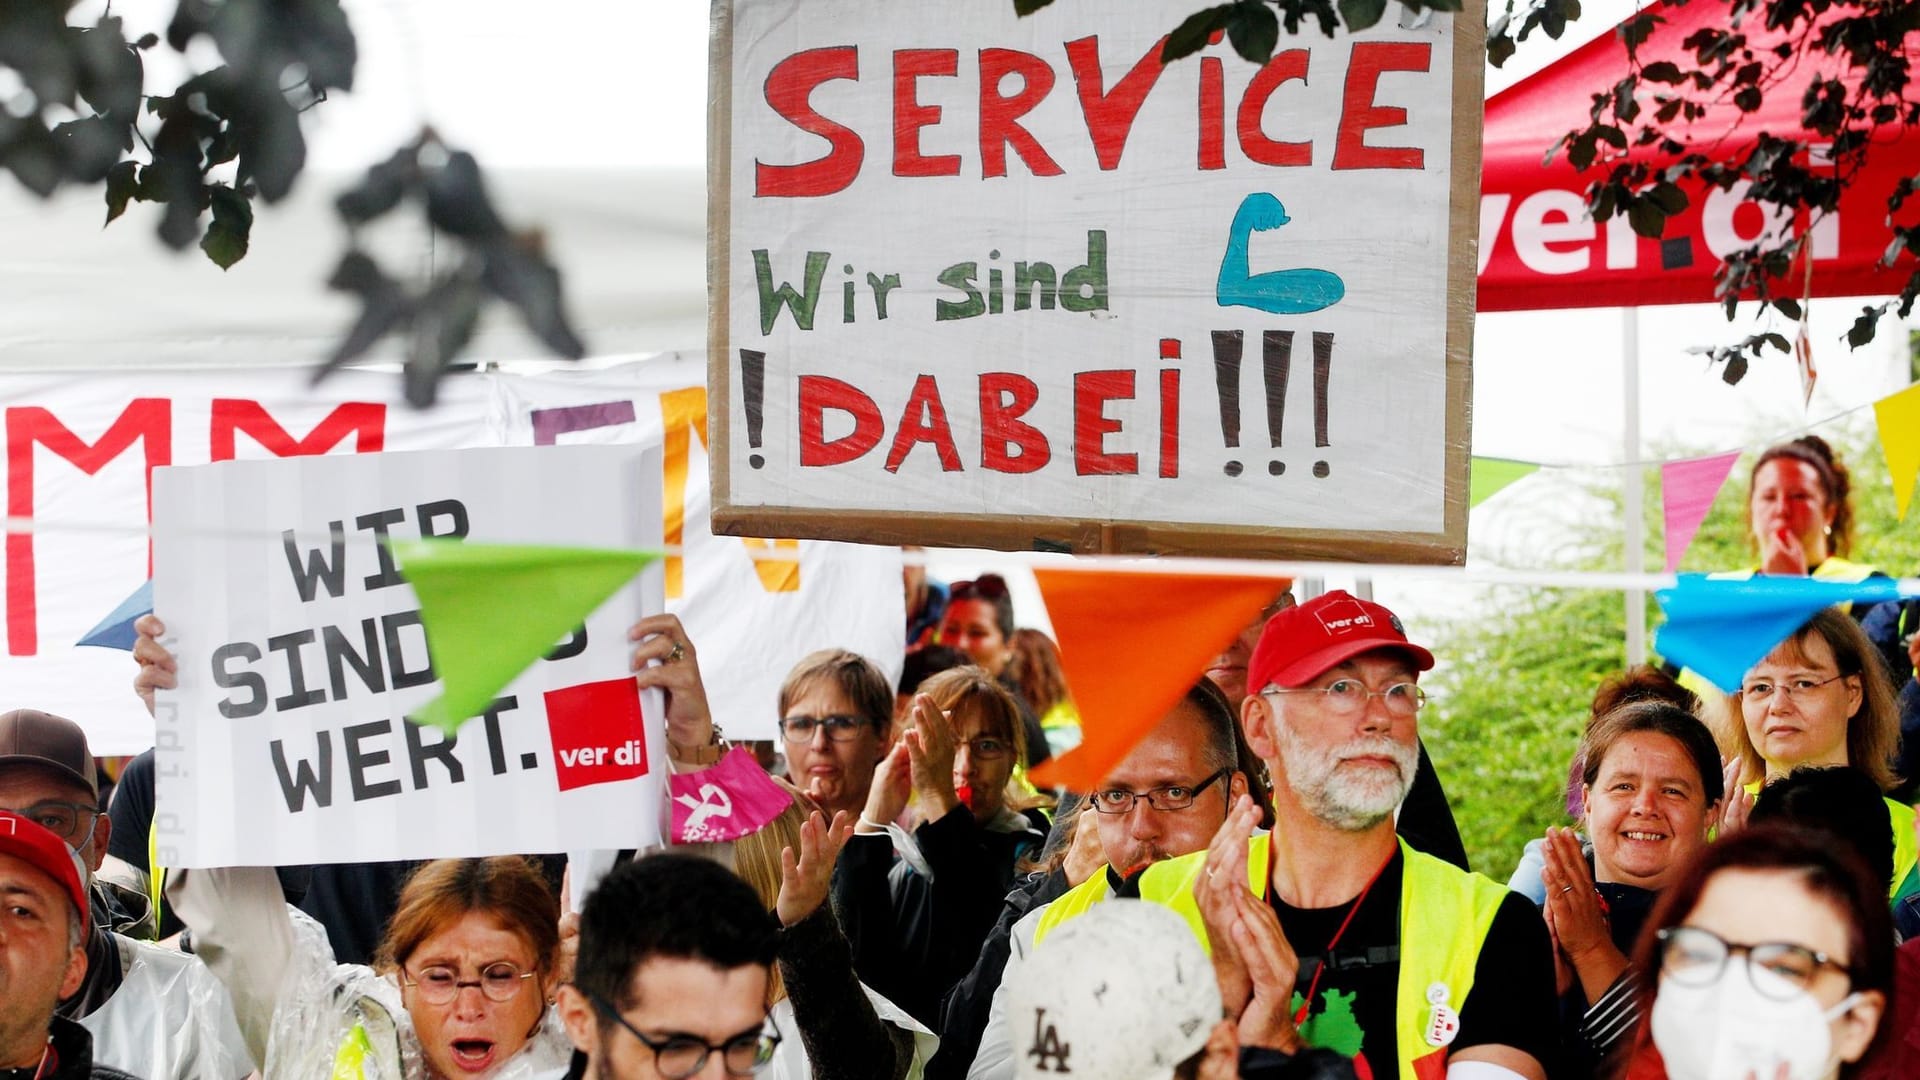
[1269,884]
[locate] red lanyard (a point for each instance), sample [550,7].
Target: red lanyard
[1313,986]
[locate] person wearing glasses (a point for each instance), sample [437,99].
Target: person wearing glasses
[978,621]
[1774,956]
[674,975]
[460,987]
[1821,697]
[151,1011]
[1650,790]
[1166,798]
[1398,958]
[836,723]
[916,906]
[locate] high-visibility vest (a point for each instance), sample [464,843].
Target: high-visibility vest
[1072,904]
[1445,913]
[1834,568]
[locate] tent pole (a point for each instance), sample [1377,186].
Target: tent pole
[1630,439]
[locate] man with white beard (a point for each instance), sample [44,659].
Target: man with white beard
[1415,968]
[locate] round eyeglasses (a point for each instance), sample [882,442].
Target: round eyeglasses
[441,985]
[1778,969]
[1797,690]
[680,1055]
[1349,697]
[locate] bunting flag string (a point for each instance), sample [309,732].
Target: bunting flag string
[1898,417]
[1687,490]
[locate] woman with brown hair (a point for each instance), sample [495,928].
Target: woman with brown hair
[460,988]
[1822,697]
[916,906]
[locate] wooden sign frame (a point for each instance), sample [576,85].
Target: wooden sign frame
[1084,536]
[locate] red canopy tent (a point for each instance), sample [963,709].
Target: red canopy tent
[1538,249]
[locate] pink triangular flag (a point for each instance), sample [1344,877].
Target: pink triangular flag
[1687,491]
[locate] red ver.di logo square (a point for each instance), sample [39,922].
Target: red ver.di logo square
[599,734]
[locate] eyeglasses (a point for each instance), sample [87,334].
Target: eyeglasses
[800,729]
[1695,957]
[1760,693]
[441,985]
[71,822]
[1348,697]
[1170,797]
[987,748]
[679,1056]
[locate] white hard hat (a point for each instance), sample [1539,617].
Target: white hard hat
[1123,992]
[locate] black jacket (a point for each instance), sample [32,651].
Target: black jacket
[913,937]
[72,1055]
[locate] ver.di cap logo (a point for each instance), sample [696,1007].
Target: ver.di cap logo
[1344,617]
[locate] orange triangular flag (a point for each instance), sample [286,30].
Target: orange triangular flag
[1131,644]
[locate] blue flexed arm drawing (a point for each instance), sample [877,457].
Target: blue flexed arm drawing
[1281,292]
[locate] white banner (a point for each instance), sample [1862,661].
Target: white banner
[301,652]
[80,445]
[989,266]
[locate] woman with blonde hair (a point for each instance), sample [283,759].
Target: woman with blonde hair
[1822,697]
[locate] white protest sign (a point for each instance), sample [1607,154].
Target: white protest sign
[984,278]
[751,618]
[301,651]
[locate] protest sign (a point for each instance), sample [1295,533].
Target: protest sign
[1011,281]
[79,447]
[301,651]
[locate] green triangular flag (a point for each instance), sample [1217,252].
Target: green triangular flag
[1490,474]
[491,610]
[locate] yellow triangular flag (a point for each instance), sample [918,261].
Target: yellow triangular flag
[1899,419]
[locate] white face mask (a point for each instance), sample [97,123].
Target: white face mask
[1730,1031]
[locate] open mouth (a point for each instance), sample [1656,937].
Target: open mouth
[473,1055]
[1645,837]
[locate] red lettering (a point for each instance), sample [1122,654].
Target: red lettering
[1000,116]
[1284,67]
[924,420]
[1004,398]
[1169,423]
[909,116]
[365,421]
[789,86]
[150,420]
[817,394]
[1213,114]
[1110,114]
[1358,113]
[1091,425]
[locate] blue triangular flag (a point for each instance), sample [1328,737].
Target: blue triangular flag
[1720,627]
[116,630]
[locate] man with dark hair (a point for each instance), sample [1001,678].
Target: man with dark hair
[1165,798]
[675,957]
[43,923]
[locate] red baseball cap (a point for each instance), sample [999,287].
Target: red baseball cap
[26,839]
[1301,642]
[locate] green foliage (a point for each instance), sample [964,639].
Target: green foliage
[1518,672]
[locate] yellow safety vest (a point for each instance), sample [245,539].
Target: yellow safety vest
[1072,904]
[156,875]
[1834,568]
[1445,913]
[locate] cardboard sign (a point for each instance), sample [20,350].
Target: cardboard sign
[301,651]
[1011,281]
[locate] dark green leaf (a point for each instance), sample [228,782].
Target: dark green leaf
[1863,327]
[1778,341]
[1647,219]
[1192,33]
[1361,14]
[518,273]
[1747,98]
[1254,30]
[457,200]
[1028,7]
[226,239]
[1736,370]
[380,190]
[1636,30]
[1610,134]
[1668,197]
[122,182]
[1500,49]
[1661,71]
[1788,306]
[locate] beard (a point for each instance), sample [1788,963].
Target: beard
[1349,797]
